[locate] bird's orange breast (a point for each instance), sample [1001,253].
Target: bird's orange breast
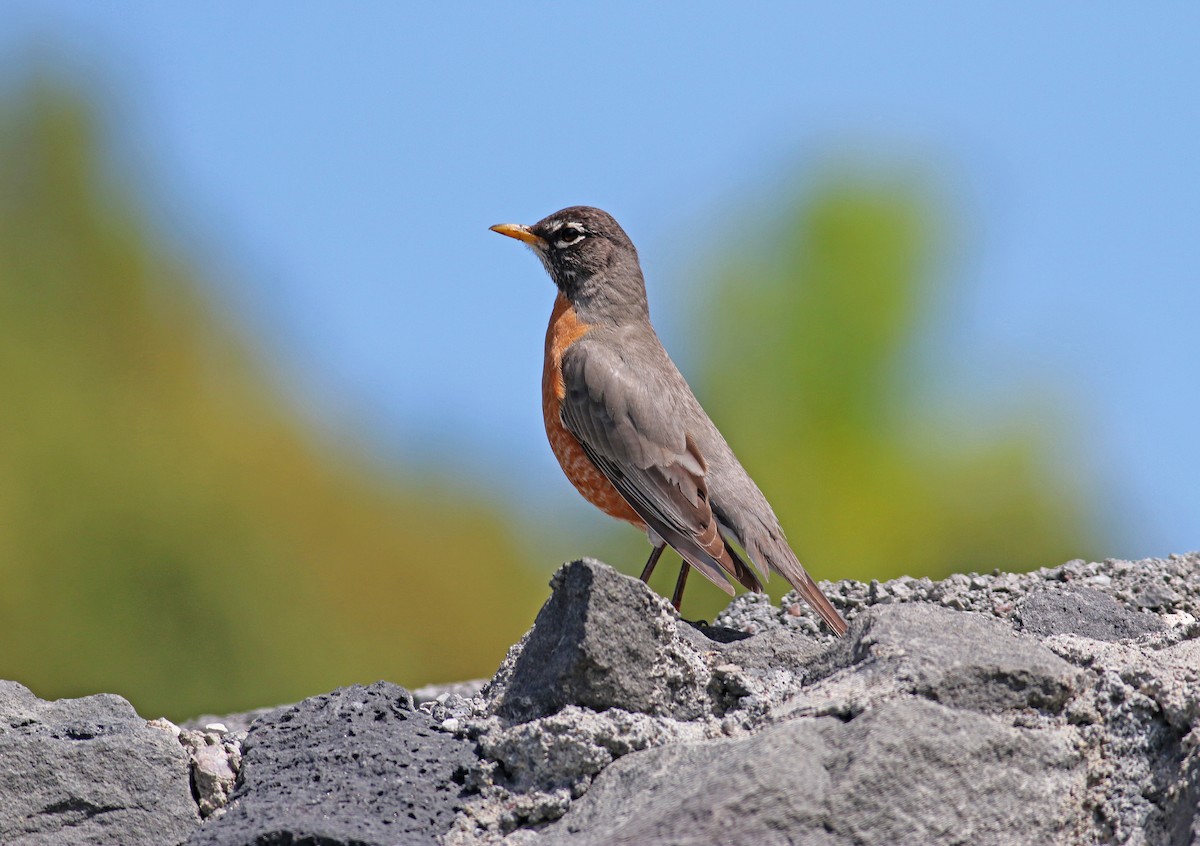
[565,329]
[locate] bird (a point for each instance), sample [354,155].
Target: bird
[626,427]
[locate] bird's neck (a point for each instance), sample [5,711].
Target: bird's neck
[616,299]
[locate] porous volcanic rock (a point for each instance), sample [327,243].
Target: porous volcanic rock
[360,766]
[1059,707]
[1055,707]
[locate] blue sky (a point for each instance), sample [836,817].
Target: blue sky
[335,169]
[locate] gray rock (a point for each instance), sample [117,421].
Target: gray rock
[1140,722]
[965,660]
[439,692]
[1165,585]
[907,772]
[952,723]
[1083,611]
[958,658]
[567,748]
[1060,706]
[357,766]
[751,676]
[602,640]
[88,771]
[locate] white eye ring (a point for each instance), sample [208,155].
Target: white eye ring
[568,234]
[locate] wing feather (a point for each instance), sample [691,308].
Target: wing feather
[648,455]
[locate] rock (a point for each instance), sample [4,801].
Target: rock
[964,660]
[959,658]
[1084,611]
[602,640]
[439,692]
[1141,721]
[565,749]
[215,764]
[906,772]
[357,766]
[88,771]
[1060,707]
[1002,708]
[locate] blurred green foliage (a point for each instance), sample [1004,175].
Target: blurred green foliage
[172,531]
[168,530]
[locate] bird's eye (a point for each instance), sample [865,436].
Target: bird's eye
[568,235]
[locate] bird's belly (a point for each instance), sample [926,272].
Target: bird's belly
[579,469]
[565,328]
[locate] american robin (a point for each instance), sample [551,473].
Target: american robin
[626,428]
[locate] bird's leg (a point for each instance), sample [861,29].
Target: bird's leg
[651,561]
[677,596]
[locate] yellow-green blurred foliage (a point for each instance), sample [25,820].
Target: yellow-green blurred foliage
[812,370]
[168,530]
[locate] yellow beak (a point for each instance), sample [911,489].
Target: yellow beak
[521,233]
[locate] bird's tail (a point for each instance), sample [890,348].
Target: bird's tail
[768,550]
[807,588]
[783,561]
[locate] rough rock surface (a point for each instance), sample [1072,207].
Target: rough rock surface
[1061,706]
[360,765]
[88,771]
[908,771]
[603,642]
[1055,707]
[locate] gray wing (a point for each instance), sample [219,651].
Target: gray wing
[632,428]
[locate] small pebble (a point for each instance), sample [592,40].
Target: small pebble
[164,724]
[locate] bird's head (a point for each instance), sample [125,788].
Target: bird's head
[589,257]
